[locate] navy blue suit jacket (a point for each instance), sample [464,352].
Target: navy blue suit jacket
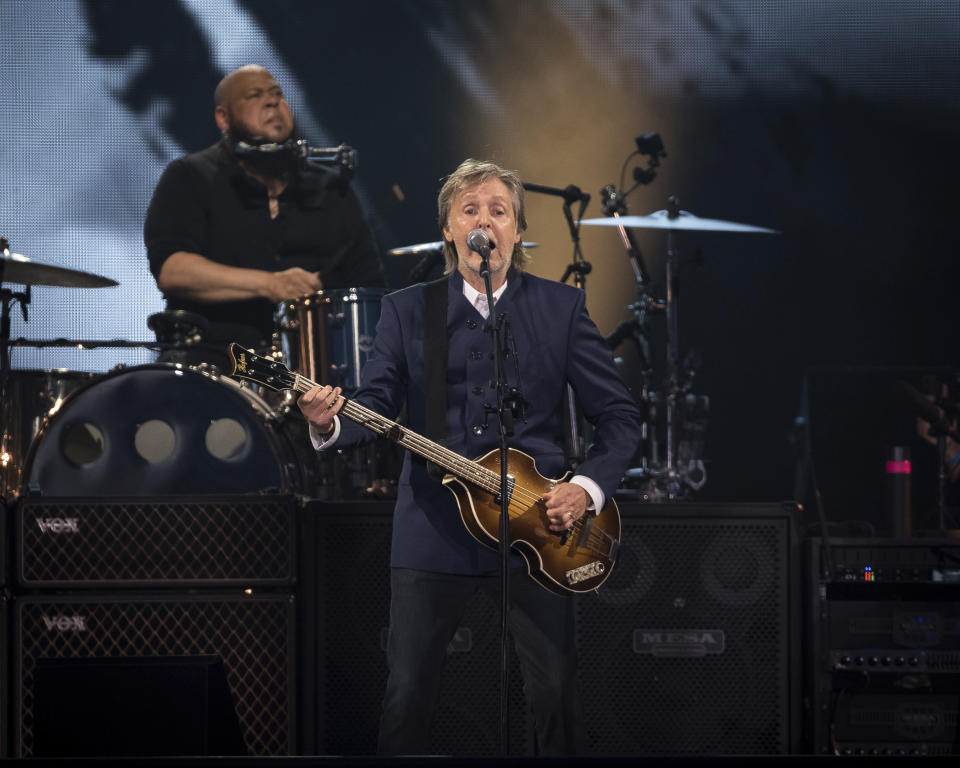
[556,342]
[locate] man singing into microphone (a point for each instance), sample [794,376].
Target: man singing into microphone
[230,235]
[436,566]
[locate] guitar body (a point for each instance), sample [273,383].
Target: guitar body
[578,561]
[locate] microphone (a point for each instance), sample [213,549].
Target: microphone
[478,241]
[343,156]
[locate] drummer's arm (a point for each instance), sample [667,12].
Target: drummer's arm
[196,277]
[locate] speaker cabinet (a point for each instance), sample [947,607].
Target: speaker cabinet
[4,554]
[4,677]
[252,635]
[165,542]
[884,623]
[691,646]
[353,588]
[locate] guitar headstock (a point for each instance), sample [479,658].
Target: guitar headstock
[269,373]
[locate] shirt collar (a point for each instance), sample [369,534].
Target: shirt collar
[471,293]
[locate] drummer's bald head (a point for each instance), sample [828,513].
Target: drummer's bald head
[223,91]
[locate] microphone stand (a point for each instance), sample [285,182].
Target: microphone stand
[576,447]
[504,410]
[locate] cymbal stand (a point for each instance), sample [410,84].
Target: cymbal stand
[636,329]
[7,297]
[673,351]
[668,478]
[575,448]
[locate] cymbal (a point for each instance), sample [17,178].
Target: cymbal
[15,268]
[81,343]
[685,221]
[407,250]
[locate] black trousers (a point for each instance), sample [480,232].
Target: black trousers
[425,611]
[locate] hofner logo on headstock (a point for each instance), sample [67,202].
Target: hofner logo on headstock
[242,363]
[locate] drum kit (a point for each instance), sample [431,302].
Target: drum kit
[28,397]
[173,428]
[671,459]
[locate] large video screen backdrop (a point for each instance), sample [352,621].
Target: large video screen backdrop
[833,125]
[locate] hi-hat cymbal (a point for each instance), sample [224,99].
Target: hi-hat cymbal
[406,250]
[684,221]
[15,268]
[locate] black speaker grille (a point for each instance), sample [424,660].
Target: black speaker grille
[354,588]
[686,645]
[4,678]
[140,541]
[253,635]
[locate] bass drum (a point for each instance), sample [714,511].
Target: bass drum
[163,429]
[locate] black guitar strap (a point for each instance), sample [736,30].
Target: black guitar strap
[435,363]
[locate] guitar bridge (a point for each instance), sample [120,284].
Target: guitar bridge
[584,572]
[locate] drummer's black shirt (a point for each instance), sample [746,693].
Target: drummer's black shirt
[204,203]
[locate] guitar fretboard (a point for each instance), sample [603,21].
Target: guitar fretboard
[452,462]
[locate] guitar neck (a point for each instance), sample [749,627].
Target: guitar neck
[422,446]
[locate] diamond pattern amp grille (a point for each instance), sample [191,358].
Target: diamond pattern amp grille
[253,635]
[140,542]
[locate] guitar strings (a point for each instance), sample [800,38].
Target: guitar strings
[478,475]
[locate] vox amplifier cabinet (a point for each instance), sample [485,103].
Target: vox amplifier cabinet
[4,677]
[61,640]
[884,673]
[692,646]
[4,541]
[169,542]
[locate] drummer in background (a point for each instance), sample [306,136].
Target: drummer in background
[230,236]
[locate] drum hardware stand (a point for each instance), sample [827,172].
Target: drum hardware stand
[177,330]
[670,473]
[575,448]
[7,297]
[939,416]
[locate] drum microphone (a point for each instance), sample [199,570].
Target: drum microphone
[343,156]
